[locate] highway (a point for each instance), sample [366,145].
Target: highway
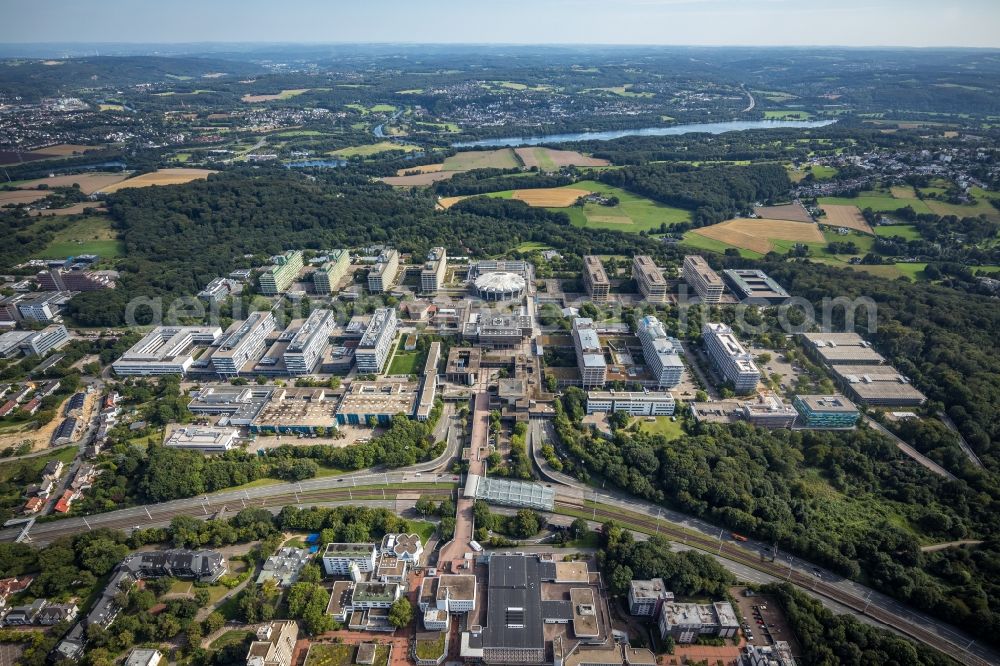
[577,498]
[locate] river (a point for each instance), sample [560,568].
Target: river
[707,128]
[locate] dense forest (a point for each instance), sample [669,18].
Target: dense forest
[179,238]
[848,501]
[714,194]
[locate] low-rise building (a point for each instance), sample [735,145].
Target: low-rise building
[48,339]
[53,614]
[373,594]
[284,566]
[877,385]
[339,559]
[646,597]
[143,657]
[58,279]
[274,644]
[756,285]
[634,403]
[20,616]
[462,366]
[204,566]
[203,439]
[380,400]
[825,411]
[219,290]
[11,342]
[767,410]
[452,593]
[296,410]
[166,350]
[841,349]
[686,622]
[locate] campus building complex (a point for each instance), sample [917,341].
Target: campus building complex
[340,559]
[166,350]
[376,343]
[649,278]
[433,272]
[632,403]
[243,343]
[40,343]
[595,279]
[203,439]
[279,277]
[729,356]
[686,622]
[750,283]
[332,271]
[825,411]
[383,273]
[63,280]
[589,355]
[700,276]
[306,348]
[661,352]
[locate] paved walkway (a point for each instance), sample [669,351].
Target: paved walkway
[910,451]
[961,440]
[454,551]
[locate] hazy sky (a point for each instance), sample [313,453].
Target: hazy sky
[711,22]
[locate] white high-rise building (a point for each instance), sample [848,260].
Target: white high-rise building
[662,352]
[383,273]
[305,349]
[589,355]
[243,341]
[376,343]
[729,356]
[432,275]
[649,278]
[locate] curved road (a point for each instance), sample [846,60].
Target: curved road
[610,505]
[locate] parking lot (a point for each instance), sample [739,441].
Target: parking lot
[765,618]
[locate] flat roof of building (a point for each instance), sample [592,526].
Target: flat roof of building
[827,403]
[650,271]
[305,407]
[461,587]
[878,382]
[382,396]
[595,269]
[363,549]
[697,263]
[837,348]
[754,283]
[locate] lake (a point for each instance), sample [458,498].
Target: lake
[705,128]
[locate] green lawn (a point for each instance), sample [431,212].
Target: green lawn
[339,654]
[382,108]
[372,149]
[632,214]
[907,231]
[91,235]
[231,637]
[662,426]
[819,172]
[787,115]
[431,649]
[423,528]
[406,362]
[914,271]
[532,246]
[27,469]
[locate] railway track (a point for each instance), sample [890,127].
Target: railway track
[741,555]
[153,517]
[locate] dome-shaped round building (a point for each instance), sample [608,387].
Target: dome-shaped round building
[500,286]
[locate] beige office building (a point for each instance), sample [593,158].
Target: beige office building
[595,279]
[649,278]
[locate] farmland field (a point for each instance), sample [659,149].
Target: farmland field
[548,159]
[372,149]
[794,212]
[91,235]
[504,158]
[877,201]
[88,182]
[845,216]
[426,168]
[75,209]
[65,149]
[550,197]
[21,196]
[787,115]
[418,180]
[161,177]
[284,94]
[757,235]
